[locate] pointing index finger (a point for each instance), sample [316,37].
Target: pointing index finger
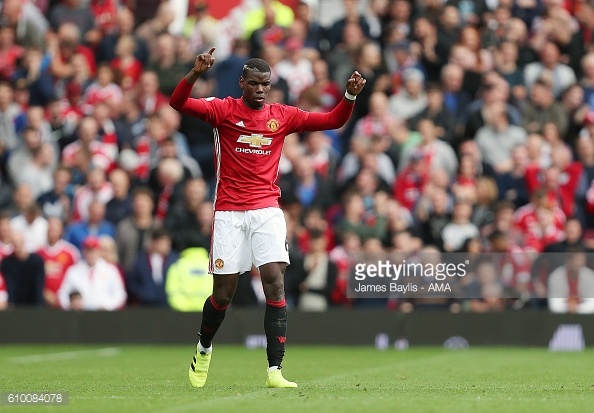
[210,52]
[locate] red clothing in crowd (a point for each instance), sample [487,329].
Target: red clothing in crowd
[569,179]
[105,13]
[537,239]
[525,219]
[130,73]
[57,258]
[408,187]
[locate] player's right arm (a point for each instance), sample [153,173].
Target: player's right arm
[181,100]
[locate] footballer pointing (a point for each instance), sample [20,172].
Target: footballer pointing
[248,225]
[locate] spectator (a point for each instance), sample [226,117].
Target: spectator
[33,76]
[455,98]
[295,69]
[89,145]
[147,279]
[9,52]
[437,154]
[106,50]
[150,98]
[182,217]
[24,274]
[9,111]
[58,255]
[506,59]
[187,280]
[319,283]
[3,294]
[109,251]
[63,47]
[485,290]
[71,11]
[571,286]
[443,118]
[497,138]
[120,206]
[38,172]
[512,185]
[460,228]
[410,182]
[29,23]
[97,188]
[562,75]
[32,226]
[150,30]
[24,153]
[561,191]
[542,109]
[433,214]
[353,15]
[57,201]
[95,225]
[355,221]
[103,90]
[5,235]
[98,282]
[268,33]
[201,28]
[134,232]
[230,69]
[411,99]
[165,65]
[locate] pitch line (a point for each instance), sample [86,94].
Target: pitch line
[67,355]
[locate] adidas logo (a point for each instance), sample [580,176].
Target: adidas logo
[240,123]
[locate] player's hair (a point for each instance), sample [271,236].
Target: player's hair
[255,65]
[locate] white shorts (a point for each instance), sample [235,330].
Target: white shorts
[240,238]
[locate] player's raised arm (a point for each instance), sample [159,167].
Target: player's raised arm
[342,112]
[180,98]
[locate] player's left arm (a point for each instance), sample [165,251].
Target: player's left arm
[341,113]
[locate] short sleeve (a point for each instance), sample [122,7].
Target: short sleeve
[297,119]
[215,110]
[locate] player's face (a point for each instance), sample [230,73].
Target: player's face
[255,87]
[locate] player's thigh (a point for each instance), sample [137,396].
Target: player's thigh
[230,247]
[269,237]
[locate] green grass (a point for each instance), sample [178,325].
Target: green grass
[331,379]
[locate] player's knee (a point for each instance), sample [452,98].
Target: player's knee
[274,290]
[222,299]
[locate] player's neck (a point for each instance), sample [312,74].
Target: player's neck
[247,105]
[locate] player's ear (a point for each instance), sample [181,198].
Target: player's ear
[241,82]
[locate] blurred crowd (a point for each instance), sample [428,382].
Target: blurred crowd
[474,134]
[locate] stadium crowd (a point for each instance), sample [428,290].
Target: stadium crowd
[474,135]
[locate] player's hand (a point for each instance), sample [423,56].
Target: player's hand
[355,83]
[204,62]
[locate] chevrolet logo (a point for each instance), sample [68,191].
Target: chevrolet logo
[255,141]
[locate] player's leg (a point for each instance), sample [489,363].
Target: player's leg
[271,258]
[229,256]
[213,314]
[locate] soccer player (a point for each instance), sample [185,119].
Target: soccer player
[249,227]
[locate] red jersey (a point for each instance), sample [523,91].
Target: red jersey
[57,259]
[408,187]
[525,218]
[248,143]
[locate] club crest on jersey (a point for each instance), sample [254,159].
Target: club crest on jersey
[273,125]
[255,140]
[219,263]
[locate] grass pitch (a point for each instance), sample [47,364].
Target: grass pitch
[147,379]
